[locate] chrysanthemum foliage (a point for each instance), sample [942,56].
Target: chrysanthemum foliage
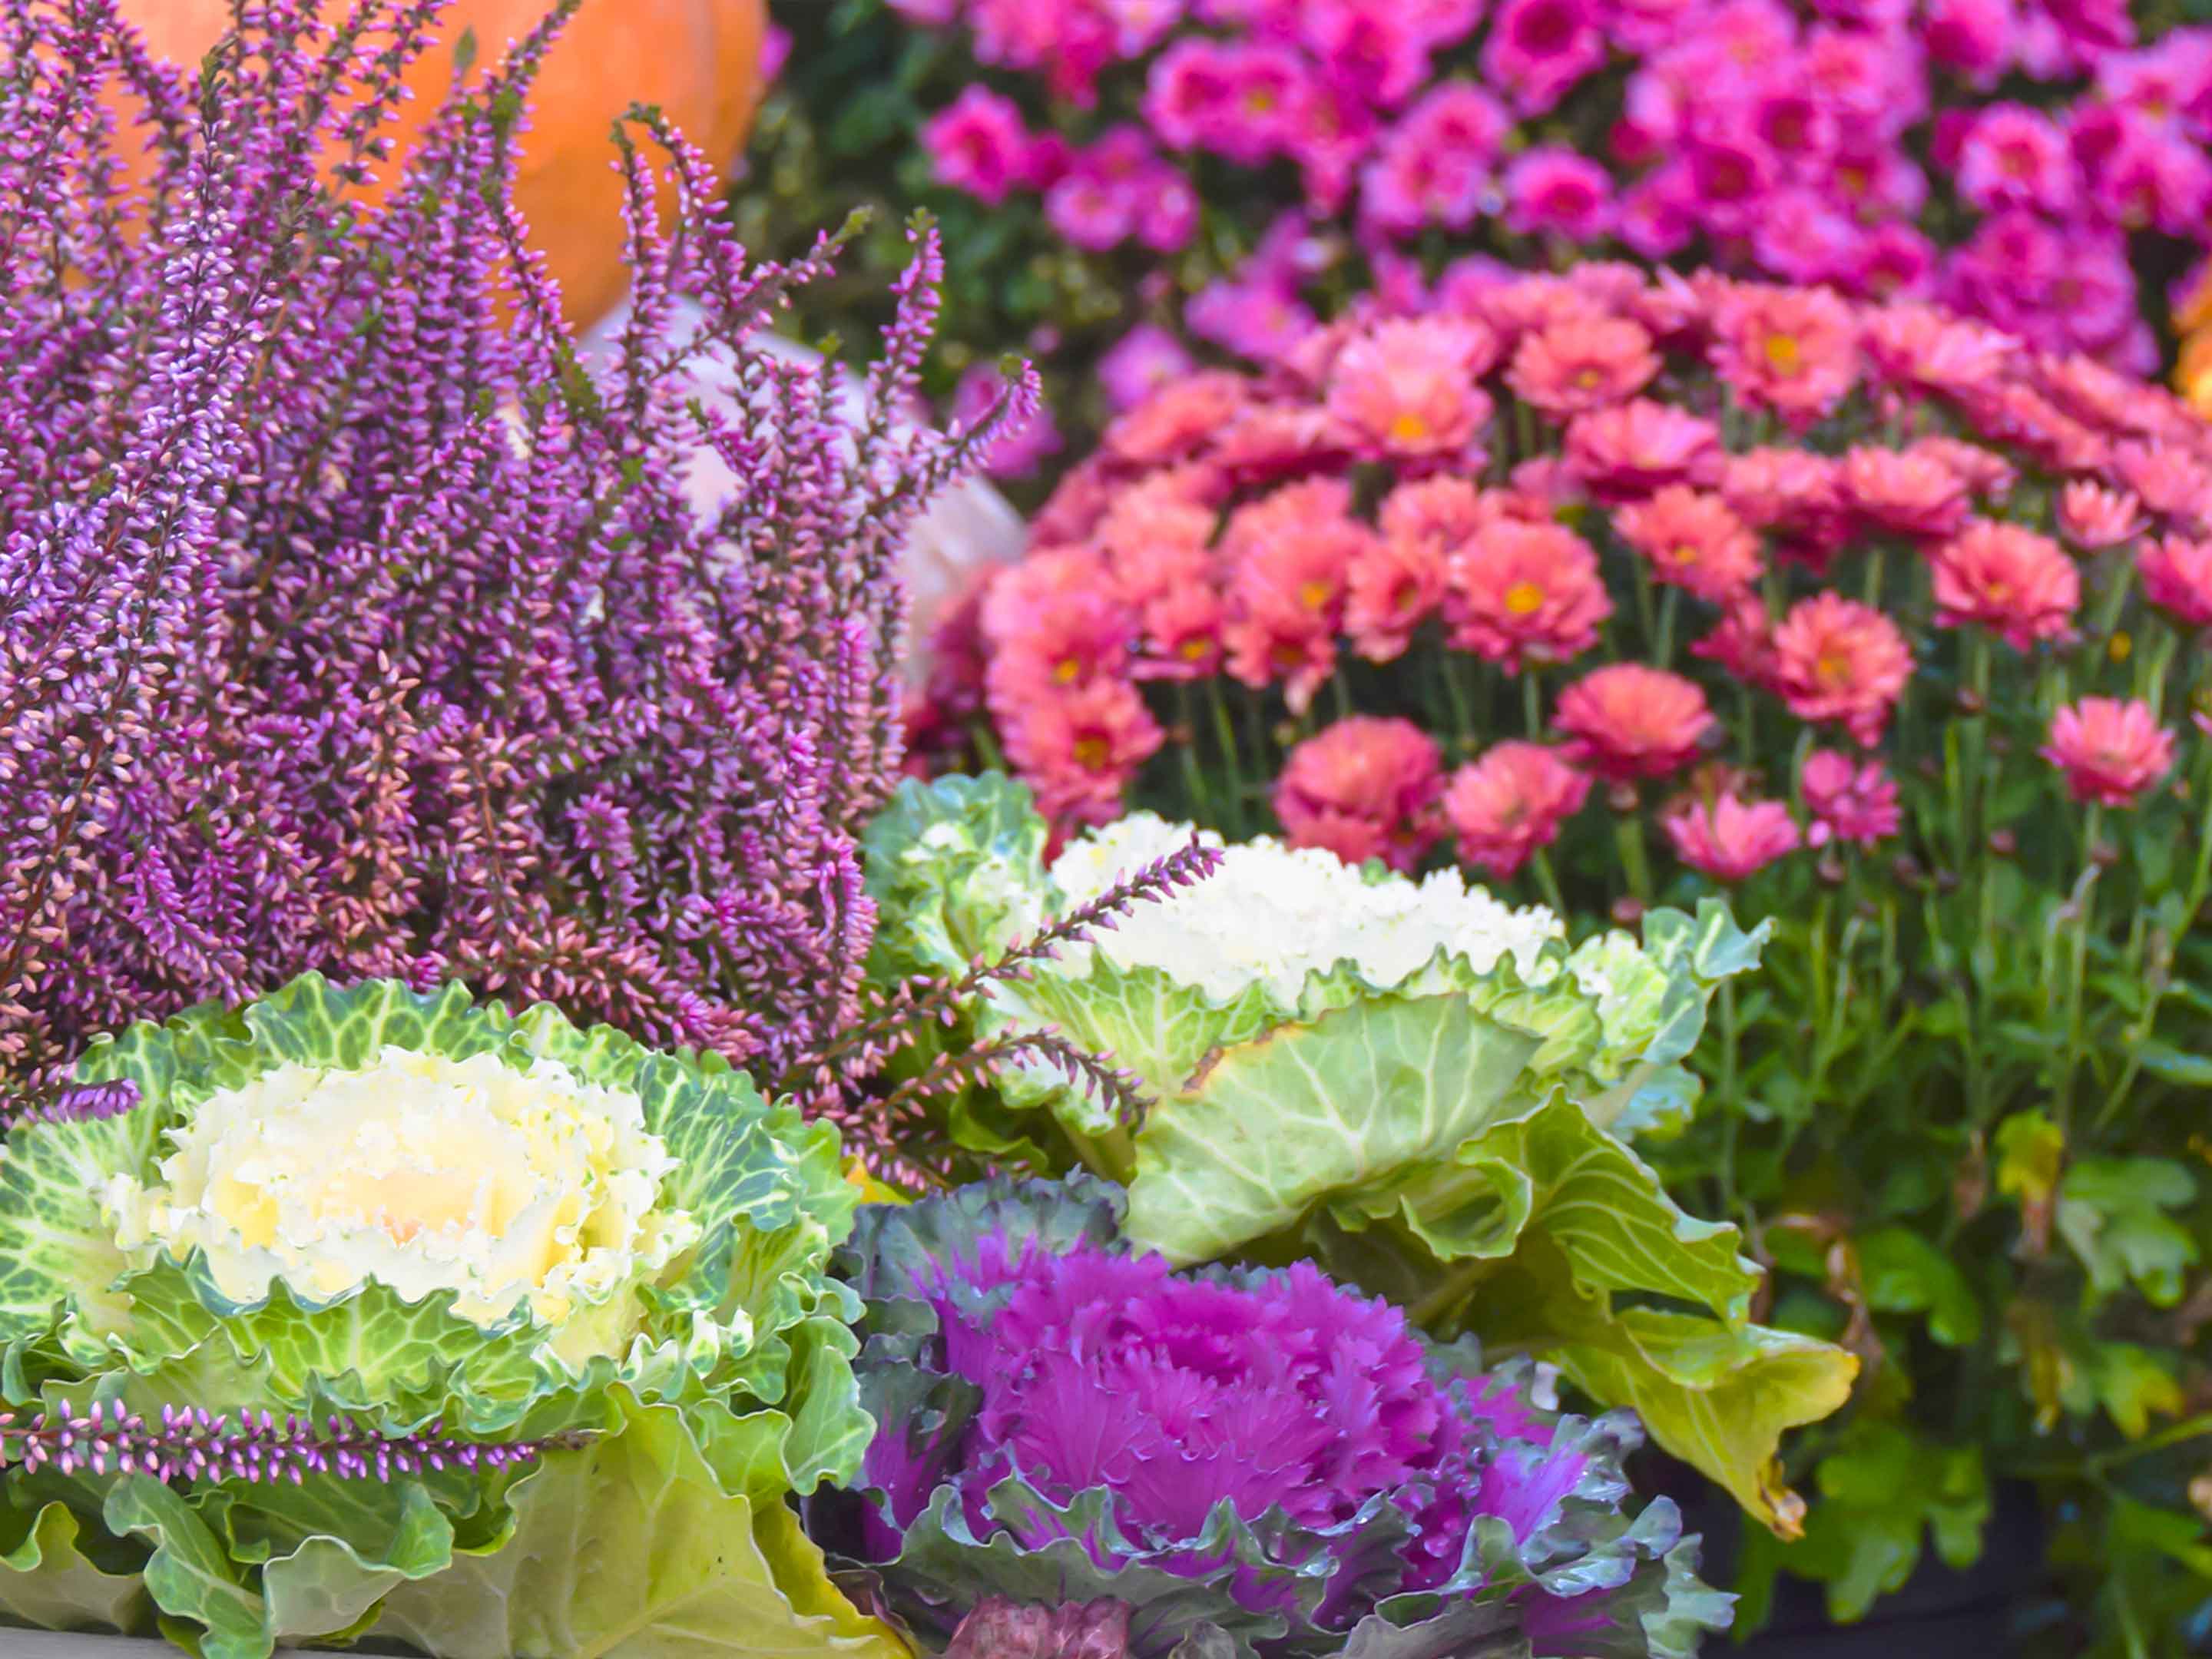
[1423,1090]
[349,622]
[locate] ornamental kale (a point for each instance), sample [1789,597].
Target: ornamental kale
[349,622]
[1252,1463]
[381,1313]
[1414,1084]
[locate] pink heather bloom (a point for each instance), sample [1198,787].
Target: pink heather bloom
[1581,363]
[2112,752]
[2094,518]
[1525,593]
[1728,839]
[1630,449]
[1795,350]
[1022,450]
[1139,364]
[1551,190]
[2177,577]
[1836,660]
[1408,388]
[1510,804]
[1850,800]
[1628,721]
[1693,541]
[979,144]
[1364,788]
[1537,49]
[1909,491]
[2010,581]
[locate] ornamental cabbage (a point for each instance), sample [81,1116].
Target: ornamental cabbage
[568,1294]
[1424,1090]
[1252,1463]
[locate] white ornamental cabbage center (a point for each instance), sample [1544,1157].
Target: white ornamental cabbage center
[1273,915]
[421,1172]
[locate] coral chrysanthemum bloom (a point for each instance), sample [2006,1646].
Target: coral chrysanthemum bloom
[2012,581]
[1910,491]
[1509,803]
[1793,350]
[1694,541]
[1364,788]
[1406,388]
[2177,577]
[1630,449]
[1526,592]
[1850,800]
[1630,721]
[1583,362]
[1836,660]
[2093,517]
[1729,839]
[2111,751]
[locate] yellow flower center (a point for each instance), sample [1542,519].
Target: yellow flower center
[1685,554]
[1316,594]
[1409,428]
[1195,647]
[1784,353]
[1091,753]
[1524,599]
[1066,670]
[2120,648]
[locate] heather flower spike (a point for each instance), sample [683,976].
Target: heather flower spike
[511,1271]
[1084,1446]
[351,622]
[1328,1049]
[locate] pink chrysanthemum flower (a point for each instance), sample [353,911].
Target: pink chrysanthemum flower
[1909,491]
[2177,577]
[1728,839]
[2012,581]
[1850,800]
[2094,516]
[1183,633]
[1364,788]
[1628,721]
[1693,541]
[1581,363]
[1179,421]
[1743,642]
[1408,389]
[1836,660]
[1396,584]
[1630,449]
[1443,508]
[1793,350]
[1509,804]
[2113,752]
[1525,593]
[1080,750]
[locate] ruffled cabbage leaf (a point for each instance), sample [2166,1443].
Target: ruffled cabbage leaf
[1453,1131]
[680,1409]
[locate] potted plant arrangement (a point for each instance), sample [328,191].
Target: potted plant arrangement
[1625,591]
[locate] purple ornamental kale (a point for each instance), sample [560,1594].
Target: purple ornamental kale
[1262,1458]
[349,622]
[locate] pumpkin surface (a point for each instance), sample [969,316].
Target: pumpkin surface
[698,60]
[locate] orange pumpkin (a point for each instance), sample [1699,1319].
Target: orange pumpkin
[699,60]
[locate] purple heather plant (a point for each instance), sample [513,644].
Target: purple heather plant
[192,1443]
[1252,1462]
[350,622]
